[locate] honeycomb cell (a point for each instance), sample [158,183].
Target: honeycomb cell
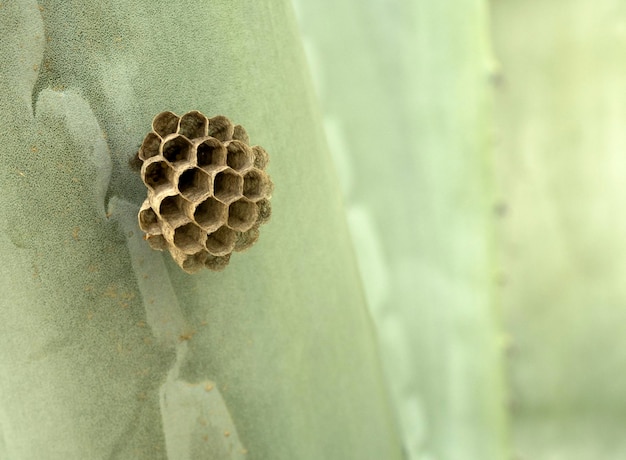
[217,263]
[193,124]
[189,238]
[221,241]
[177,149]
[165,123]
[261,158]
[265,211]
[194,184]
[148,220]
[210,214]
[240,134]
[157,242]
[210,152]
[246,239]
[173,210]
[239,156]
[242,215]
[158,175]
[150,146]
[227,186]
[221,128]
[256,185]
[193,263]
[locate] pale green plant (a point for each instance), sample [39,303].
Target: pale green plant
[441,277]
[107,349]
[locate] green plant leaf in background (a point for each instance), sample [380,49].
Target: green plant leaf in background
[106,351]
[561,160]
[404,88]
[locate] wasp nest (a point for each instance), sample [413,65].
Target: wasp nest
[208,193]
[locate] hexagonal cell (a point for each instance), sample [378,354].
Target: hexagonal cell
[256,185]
[210,152]
[165,123]
[227,186]
[217,263]
[239,156]
[221,128]
[157,175]
[261,158]
[157,242]
[150,146]
[194,183]
[195,262]
[177,149]
[242,215]
[193,124]
[189,238]
[210,214]
[265,211]
[246,239]
[148,220]
[174,210]
[221,241]
[240,134]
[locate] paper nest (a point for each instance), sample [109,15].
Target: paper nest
[208,193]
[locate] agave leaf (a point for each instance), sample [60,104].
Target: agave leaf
[406,99]
[86,369]
[561,168]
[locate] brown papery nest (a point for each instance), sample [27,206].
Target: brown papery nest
[208,192]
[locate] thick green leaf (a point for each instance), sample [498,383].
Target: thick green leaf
[561,166]
[405,92]
[106,350]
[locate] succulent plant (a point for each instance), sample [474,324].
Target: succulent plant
[109,350]
[107,346]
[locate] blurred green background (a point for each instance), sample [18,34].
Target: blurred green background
[442,278]
[481,150]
